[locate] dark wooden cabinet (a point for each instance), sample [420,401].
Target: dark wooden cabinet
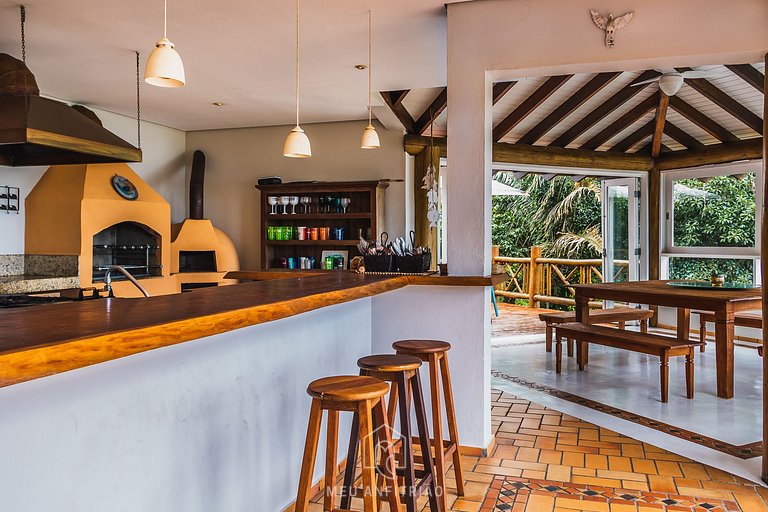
[362,217]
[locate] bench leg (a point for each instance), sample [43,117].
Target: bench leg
[703,332]
[580,345]
[644,325]
[558,355]
[664,373]
[570,346]
[689,374]
[622,325]
[548,337]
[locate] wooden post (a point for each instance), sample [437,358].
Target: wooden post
[764,272]
[494,255]
[534,276]
[423,235]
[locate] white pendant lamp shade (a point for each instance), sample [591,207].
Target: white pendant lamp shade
[164,66]
[370,139]
[671,84]
[297,144]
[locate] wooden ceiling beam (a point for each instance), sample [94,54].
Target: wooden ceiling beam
[544,155]
[633,138]
[722,100]
[528,105]
[394,100]
[500,89]
[608,106]
[659,123]
[702,121]
[749,74]
[432,112]
[566,108]
[750,149]
[682,137]
[622,122]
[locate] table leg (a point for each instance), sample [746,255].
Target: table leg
[724,352]
[683,324]
[582,315]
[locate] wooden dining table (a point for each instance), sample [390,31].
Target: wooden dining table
[723,302]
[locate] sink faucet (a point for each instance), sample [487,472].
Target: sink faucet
[108,280]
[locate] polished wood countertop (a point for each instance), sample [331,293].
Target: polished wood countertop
[48,339]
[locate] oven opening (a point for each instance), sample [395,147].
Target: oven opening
[197,261]
[130,245]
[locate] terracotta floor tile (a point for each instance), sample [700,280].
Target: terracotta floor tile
[661,483]
[573,459]
[667,468]
[596,461]
[647,467]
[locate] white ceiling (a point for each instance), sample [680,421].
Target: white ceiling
[239,52]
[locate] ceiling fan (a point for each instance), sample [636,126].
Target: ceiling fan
[671,82]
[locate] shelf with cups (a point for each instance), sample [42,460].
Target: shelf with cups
[305,222]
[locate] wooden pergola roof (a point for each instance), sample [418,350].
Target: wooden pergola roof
[603,120]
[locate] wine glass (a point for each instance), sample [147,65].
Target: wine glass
[329,200]
[321,204]
[294,200]
[272,200]
[344,203]
[283,201]
[305,202]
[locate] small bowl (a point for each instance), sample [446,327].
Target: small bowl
[717,280]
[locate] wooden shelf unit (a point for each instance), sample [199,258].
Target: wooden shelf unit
[364,212]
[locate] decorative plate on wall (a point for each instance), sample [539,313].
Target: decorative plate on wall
[124,187]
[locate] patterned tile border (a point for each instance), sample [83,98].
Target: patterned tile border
[746,451]
[511,494]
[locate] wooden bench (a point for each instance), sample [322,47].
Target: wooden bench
[619,315]
[744,319]
[662,346]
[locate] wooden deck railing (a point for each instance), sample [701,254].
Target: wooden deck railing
[537,279]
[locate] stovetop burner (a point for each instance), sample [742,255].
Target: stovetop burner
[21,301]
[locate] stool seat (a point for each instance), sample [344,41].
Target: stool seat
[421,346]
[347,388]
[389,363]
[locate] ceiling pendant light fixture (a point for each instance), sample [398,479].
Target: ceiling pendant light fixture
[370,139]
[164,66]
[297,143]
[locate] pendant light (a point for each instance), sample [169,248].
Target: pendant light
[297,143]
[164,66]
[370,139]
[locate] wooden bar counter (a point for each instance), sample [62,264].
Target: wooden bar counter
[50,339]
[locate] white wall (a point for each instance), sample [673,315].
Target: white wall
[163,168]
[237,158]
[213,424]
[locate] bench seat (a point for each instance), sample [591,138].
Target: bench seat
[619,315]
[663,347]
[743,319]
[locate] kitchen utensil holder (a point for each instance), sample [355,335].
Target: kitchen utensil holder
[379,263]
[9,199]
[414,264]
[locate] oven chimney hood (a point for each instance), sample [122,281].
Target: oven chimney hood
[38,131]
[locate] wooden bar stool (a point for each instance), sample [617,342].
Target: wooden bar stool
[403,373]
[435,353]
[363,396]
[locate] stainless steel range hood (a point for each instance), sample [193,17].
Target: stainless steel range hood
[38,131]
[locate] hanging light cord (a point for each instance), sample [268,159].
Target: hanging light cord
[23,38]
[298,36]
[369,66]
[138,103]
[165,19]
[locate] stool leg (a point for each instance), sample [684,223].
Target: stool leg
[548,337]
[664,378]
[689,374]
[644,325]
[405,433]
[437,420]
[331,467]
[393,403]
[622,325]
[308,461]
[453,432]
[436,502]
[390,468]
[349,470]
[367,457]
[558,355]
[703,332]
[570,346]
